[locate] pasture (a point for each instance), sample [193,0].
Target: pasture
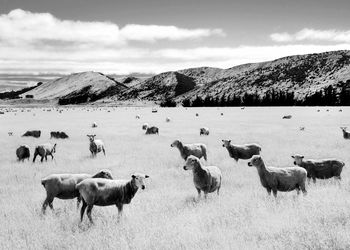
[166,215]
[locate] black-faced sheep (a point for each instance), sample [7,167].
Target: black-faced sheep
[96,146]
[23,153]
[205,178]
[346,134]
[33,133]
[279,179]
[58,135]
[197,149]
[204,131]
[320,169]
[63,186]
[44,150]
[103,192]
[152,130]
[243,152]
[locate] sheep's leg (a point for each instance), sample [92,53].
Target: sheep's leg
[52,156]
[48,202]
[35,156]
[314,180]
[199,193]
[298,190]
[268,190]
[120,210]
[218,191]
[308,180]
[274,191]
[82,211]
[88,212]
[45,157]
[205,195]
[42,158]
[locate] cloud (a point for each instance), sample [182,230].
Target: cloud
[313,35]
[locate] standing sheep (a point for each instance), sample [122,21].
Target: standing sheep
[44,150]
[23,153]
[94,125]
[103,192]
[167,119]
[63,186]
[96,146]
[279,179]
[243,152]
[152,130]
[197,149]
[145,126]
[320,169]
[204,131]
[346,134]
[206,179]
[33,133]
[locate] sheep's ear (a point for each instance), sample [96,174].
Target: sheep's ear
[302,157]
[293,156]
[133,176]
[229,141]
[146,176]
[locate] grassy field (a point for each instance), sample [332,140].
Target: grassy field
[166,214]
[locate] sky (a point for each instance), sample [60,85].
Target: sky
[153,36]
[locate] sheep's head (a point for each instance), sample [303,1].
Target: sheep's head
[145,126]
[175,143]
[138,179]
[106,174]
[226,143]
[297,159]
[255,161]
[91,137]
[343,128]
[191,162]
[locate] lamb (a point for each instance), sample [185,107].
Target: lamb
[63,186]
[103,192]
[23,153]
[206,179]
[279,179]
[287,117]
[44,150]
[197,149]
[204,131]
[320,169]
[96,146]
[33,133]
[346,134]
[145,126]
[152,130]
[58,134]
[243,152]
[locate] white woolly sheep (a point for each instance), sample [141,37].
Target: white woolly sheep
[346,134]
[63,186]
[205,178]
[96,145]
[243,152]
[103,192]
[23,153]
[279,179]
[197,149]
[44,150]
[204,131]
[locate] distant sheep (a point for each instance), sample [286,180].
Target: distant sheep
[346,134]
[96,146]
[94,125]
[197,149]
[243,152]
[103,192]
[33,133]
[340,110]
[206,179]
[320,169]
[58,135]
[138,117]
[44,150]
[167,119]
[152,130]
[197,114]
[204,131]
[63,186]
[145,126]
[23,153]
[10,133]
[302,128]
[279,179]
[287,117]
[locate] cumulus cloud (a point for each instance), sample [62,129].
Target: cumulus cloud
[313,35]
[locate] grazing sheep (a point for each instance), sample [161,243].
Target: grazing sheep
[243,152]
[279,179]
[63,186]
[94,125]
[197,114]
[96,146]
[137,116]
[33,133]
[340,110]
[346,134]
[10,133]
[44,150]
[206,179]
[302,128]
[320,169]
[58,135]
[204,131]
[167,119]
[197,149]
[103,192]
[152,130]
[287,117]
[23,153]
[145,126]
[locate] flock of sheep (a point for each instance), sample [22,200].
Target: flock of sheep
[102,190]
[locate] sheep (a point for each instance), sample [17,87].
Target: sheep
[23,153]
[318,110]
[103,192]
[346,134]
[197,114]
[152,130]
[287,117]
[44,150]
[138,117]
[243,152]
[279,179]
[197,149]
[58,134]
[145,126]
[204,131]
[10,133]
[167,119]
[302,128]
[96,146]
[63,186]
[33,133]
[340,110]
[222,114]
[320,169]
[205,178]
[94,125]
